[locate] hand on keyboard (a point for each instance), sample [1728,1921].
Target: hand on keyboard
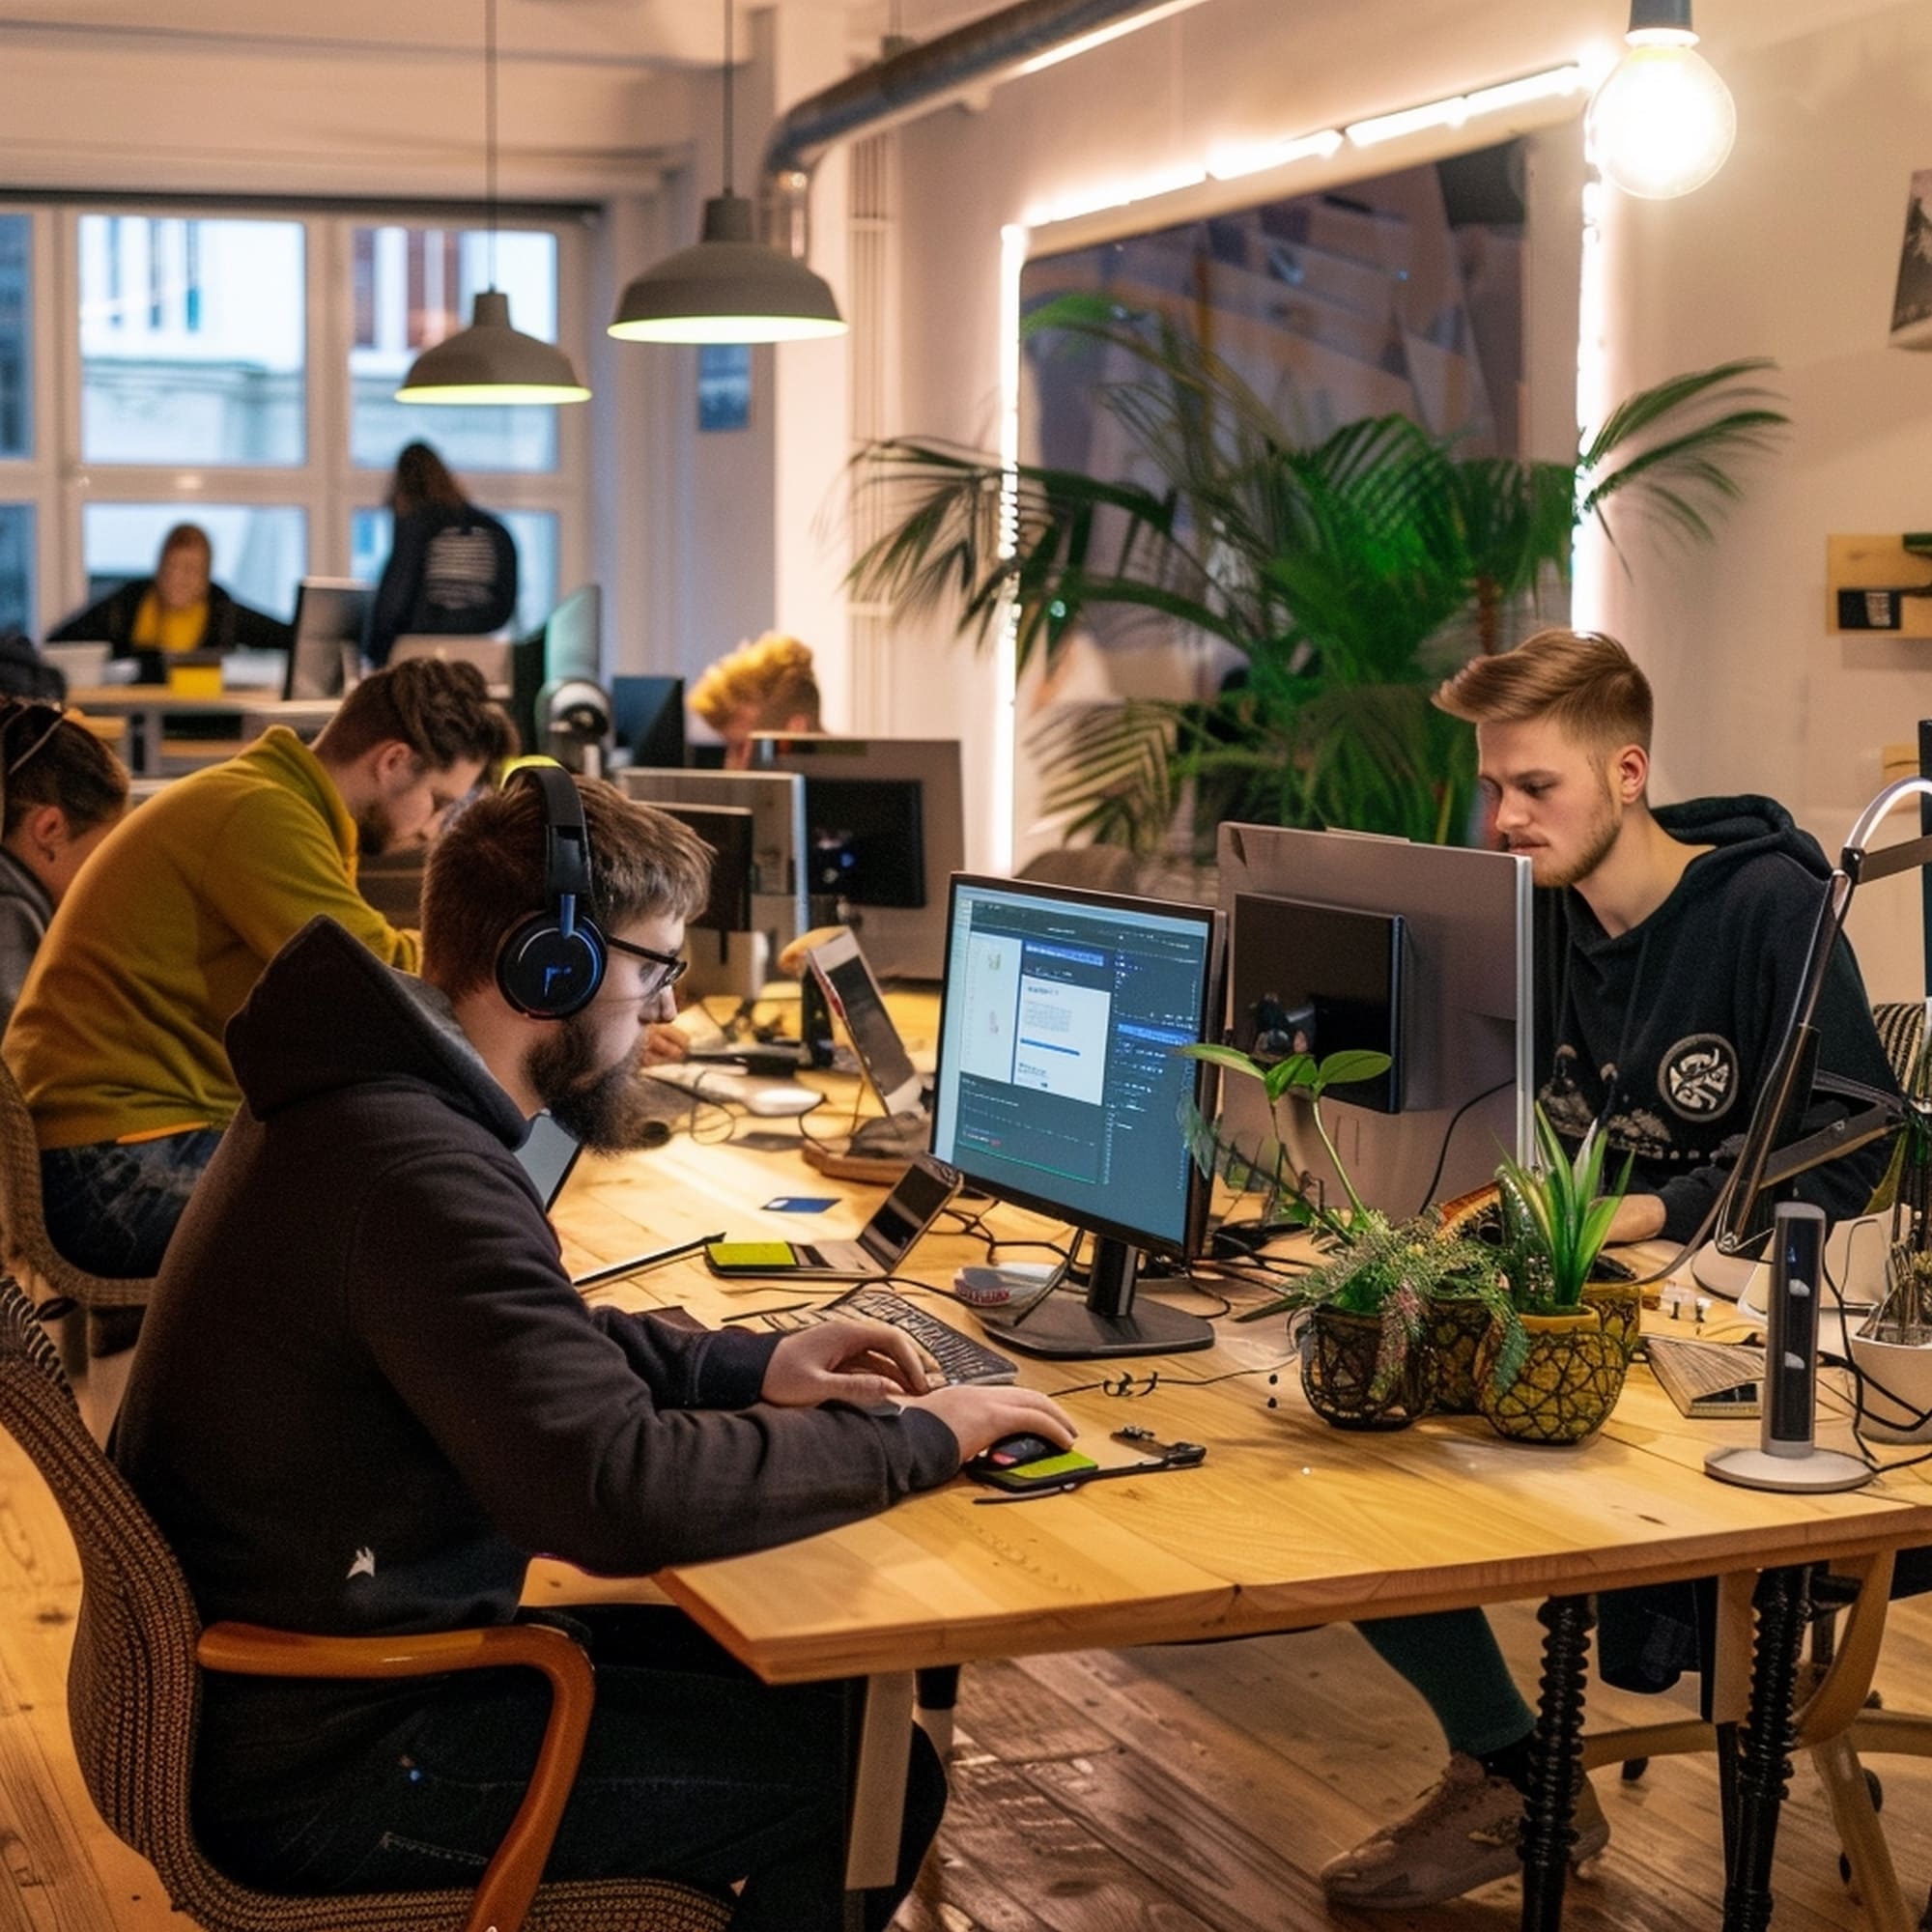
[844,1360]
[956,1355]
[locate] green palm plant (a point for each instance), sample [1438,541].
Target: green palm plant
[1350,575]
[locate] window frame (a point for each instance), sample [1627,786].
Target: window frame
[327,486]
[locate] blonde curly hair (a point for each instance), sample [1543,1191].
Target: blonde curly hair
[764,686]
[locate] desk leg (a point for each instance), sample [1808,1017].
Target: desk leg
[1764,1769]
[1555,1760]
[879,1735]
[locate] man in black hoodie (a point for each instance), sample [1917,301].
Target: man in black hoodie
[1670,943]
[367,1392]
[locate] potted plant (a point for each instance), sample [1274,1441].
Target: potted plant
[1374,1301]
[1555,1221]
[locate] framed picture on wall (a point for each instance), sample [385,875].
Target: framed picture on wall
[1912,303]
[724,386]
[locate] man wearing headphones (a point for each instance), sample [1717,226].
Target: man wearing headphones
[367,1392]
[117,1039]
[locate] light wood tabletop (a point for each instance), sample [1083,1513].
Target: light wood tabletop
[1288,1523]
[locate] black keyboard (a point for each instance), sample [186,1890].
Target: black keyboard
[958,1357]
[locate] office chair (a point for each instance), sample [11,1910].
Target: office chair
[1099,868]
[133,1697]
[100,1329]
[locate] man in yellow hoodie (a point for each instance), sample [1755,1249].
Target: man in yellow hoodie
[117,1039]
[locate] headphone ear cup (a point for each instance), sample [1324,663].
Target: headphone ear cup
[547,975]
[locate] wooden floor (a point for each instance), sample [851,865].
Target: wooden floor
[1155,1791]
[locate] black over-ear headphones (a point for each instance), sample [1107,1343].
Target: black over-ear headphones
[552,965]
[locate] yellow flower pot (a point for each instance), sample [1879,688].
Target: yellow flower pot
[1569,1384]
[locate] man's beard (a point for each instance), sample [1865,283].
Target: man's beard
[607,1108]
[1599,837]
[375,830]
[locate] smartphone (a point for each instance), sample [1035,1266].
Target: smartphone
[800,1204]
[1049,1472]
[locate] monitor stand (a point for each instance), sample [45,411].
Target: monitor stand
[1107,1324]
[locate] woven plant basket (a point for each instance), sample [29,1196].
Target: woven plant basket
[1338,1373]
[1457,1328]
[1569,1384]
[1620,1304]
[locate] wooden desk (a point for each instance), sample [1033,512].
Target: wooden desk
[1289,1523]
[148,709]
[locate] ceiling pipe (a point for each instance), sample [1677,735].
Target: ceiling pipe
[929,76]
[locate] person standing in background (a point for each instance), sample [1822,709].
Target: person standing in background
[64,791]
[180,609]
[452,568]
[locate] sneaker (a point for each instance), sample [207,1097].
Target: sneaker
[1461,1833]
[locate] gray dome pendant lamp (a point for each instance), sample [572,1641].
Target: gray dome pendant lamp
[729,286]
[489,363]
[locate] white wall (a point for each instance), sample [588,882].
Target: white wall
[1790,253]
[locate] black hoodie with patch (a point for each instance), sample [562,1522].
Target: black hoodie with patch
[1667,1031]
[366,1391]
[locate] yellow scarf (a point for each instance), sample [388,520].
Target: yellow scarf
[155,629]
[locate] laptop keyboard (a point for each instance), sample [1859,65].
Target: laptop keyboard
[958,1357]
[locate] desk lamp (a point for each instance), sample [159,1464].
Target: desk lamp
[1786,1458]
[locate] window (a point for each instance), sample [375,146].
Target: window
[235,369]
[16,365]
[261,552]
[16,567]
[535,533]
[415,286]
[194,341]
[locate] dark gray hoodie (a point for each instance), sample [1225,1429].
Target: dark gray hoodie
[1667,1031]
[366,1392]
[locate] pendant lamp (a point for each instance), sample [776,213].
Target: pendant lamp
[1662,122]
[490,361]
[729,287]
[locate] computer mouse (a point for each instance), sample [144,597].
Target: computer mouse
[1010,1451]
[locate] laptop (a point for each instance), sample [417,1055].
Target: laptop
[845,978]
[883,1243]
[547,1155]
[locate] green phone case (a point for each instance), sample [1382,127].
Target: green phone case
[1047,1473]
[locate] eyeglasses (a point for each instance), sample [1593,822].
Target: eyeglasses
[58,714]
[672,966]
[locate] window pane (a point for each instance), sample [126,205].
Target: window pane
[16,366]
[193,340]
[413,286]
[533,530]
[260,555]
[16,569]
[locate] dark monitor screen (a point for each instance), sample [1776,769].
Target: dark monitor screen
[866,840]
[330,616]
[729,831]
[647,718]
[1319,980]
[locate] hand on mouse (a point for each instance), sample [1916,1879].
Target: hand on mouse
[979,1415]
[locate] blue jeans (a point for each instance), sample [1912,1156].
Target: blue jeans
[692,1770]
[111,1207]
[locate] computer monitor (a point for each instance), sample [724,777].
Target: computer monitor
[1422,952]
[1060,1086]
[573,635]
[331,616]
[886,828]
[647,720]
[775,800]
[729,830]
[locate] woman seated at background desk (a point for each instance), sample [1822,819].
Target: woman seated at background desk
[180,609]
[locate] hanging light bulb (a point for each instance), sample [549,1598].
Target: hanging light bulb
[489,363]
[1662,122]
[729,286]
